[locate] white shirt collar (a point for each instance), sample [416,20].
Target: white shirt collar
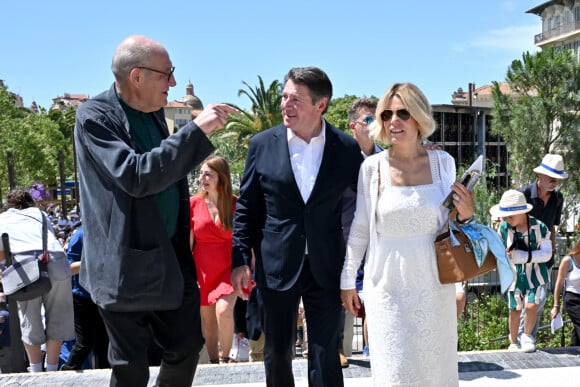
[290,134]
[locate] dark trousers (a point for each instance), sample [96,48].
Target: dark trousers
[572,307]
[90,336]
[177,332]
[322,308]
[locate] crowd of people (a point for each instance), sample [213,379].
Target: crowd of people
[322,222]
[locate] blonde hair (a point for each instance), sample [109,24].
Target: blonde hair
[576,249]
[414,101]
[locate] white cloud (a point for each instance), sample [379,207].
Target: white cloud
[518,39]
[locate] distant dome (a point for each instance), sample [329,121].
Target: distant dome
[193,102]
[190,99]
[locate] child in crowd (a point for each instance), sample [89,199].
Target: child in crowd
[528,247]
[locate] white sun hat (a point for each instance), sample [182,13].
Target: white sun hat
[512,203]
[553,166]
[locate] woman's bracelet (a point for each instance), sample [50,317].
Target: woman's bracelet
[468,220]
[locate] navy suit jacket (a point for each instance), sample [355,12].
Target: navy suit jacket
[272,218]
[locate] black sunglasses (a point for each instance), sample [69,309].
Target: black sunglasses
[403,114]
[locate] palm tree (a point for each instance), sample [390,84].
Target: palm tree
[232,142]
[265,110]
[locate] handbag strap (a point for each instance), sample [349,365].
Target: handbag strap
[7,252]
[44,232]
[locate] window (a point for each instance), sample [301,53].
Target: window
[436,136]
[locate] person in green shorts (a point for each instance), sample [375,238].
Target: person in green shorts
[528,247]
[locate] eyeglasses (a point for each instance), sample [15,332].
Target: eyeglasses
[169,74]
[403,114]
[551,181]
[367,120]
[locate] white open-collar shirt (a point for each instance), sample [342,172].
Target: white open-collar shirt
[306,159]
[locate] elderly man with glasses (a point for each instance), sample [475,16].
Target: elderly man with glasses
[547,204]
[137,264]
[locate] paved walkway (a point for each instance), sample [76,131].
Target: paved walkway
[543,368]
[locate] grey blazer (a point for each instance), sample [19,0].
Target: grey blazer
[129,261]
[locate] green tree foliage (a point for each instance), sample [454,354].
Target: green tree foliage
[265,111]
[232,142]
[337,113]
[34,140]
[65,120]
[484,324]
[541,114]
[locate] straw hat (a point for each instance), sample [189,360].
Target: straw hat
[553,166]
[512,203]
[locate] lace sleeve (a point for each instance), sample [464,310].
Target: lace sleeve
[358,239]
[447,171]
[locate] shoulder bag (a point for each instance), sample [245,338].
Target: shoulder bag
[26,273]
[456,257]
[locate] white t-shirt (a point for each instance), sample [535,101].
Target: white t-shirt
[24,227]
[573,277]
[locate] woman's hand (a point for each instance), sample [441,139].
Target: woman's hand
[463,201]
[350,300]
[554,312]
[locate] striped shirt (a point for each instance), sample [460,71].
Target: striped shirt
[533,274]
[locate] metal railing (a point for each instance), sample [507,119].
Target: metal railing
[557,31]
[543,327]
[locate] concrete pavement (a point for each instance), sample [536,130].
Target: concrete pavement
[543,368]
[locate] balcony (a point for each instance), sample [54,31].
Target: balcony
[558,31]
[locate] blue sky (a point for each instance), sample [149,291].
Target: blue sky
[50,48]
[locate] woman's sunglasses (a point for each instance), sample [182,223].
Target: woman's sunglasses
[403,114]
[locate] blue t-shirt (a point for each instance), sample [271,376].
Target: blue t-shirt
[75,248]
[5,328]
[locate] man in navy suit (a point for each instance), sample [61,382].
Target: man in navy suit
[289,214]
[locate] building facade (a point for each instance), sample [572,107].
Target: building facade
[180,112]
[464,131]
[67,101]
[560,25]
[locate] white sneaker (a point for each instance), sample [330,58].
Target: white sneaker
[244,350]
[514,347]
[528,343]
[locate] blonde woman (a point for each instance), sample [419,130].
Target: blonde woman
[411,316]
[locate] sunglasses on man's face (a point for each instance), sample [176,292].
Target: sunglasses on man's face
[367,120]
[403,114]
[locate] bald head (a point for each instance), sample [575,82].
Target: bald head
[134,51]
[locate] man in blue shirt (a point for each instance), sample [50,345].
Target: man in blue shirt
[90,332]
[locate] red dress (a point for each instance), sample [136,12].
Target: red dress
[212,252]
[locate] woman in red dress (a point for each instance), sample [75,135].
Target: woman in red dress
[211,240]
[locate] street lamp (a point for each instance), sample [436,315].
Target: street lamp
[473,116]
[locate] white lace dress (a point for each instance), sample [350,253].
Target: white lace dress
[411,317]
